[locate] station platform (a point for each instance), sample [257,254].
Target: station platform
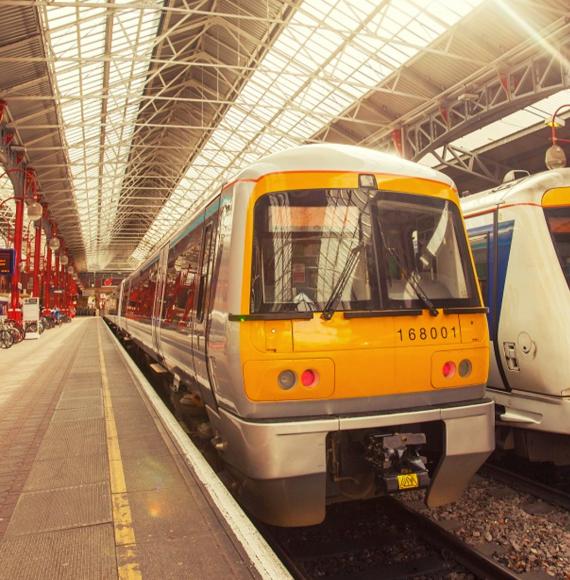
[93,484]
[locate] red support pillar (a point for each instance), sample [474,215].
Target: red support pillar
[47,279]
[397,141]
[56,281]
[15,312]
[28,250]
[65,290]
[37,252]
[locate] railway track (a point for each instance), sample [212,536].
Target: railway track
[516,480]
[379,538]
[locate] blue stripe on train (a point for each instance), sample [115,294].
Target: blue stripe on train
[505,240]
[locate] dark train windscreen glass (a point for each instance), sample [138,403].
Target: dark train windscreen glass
[395,242]
[558,219]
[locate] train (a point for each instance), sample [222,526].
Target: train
[322,313]
[519,233]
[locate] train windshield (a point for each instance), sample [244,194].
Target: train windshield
[400,246]
[558,219]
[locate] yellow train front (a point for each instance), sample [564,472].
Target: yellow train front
[348,345]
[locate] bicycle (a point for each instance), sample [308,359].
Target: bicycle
[6,337]
[17,330]
[35,326]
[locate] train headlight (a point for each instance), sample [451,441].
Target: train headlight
[309,378]
[465,368]
[287,379]
[448,369]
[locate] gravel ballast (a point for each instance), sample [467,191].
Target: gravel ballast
[521,532]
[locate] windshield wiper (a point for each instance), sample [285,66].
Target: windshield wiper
[330,306]
[412,280]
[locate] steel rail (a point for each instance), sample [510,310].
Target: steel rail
[476,562]
[428,532]
[527,485]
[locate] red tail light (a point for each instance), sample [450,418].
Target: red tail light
[308,378]
[448,369]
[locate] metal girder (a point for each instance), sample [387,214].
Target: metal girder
[482,101]
[472,163]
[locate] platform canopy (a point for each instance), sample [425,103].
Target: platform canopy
[133,112]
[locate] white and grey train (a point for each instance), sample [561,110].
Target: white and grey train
[323,310]
[520,239]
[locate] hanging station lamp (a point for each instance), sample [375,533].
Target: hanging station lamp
[54,244]
[35,211]
[555,157]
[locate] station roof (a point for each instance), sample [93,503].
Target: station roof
[133,111]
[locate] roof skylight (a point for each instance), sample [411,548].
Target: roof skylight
[94,50]
[331,53]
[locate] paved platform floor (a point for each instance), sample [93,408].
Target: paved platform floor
[91,485]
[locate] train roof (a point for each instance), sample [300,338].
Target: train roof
[336,157]
[323,157]
[529,189]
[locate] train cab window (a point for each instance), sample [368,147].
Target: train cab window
[424,250]
[480,248]
[373,248]
[179,303]
[302,242]
[558,220]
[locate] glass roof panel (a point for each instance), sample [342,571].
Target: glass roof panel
[77,38]
[332,53]
[332,68]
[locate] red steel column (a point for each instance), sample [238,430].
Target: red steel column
[56,281]
[37,252]
[47,279]
[15,312]
[65,289]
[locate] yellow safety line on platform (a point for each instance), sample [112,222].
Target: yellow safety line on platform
[127,564]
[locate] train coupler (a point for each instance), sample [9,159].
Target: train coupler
[397,460]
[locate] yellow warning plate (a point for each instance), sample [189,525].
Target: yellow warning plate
[408,481]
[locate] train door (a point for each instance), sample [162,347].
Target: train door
[491,246]
[158,299]
[125,305]
[122,311]
[201,320]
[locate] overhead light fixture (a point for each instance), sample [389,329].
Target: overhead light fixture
[54,244]
[555,157]
[35,211]
[468,97]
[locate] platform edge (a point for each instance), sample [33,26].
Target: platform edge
[262,557]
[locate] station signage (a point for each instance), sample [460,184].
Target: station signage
[7,259]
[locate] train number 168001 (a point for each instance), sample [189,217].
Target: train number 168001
[423,333]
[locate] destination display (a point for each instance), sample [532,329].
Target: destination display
[6,261]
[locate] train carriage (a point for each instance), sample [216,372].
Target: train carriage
[324,312]
[520,237]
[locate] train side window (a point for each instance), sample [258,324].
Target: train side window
[146,290]
[134,301]
[480,248]
[182,269]
[205,271]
